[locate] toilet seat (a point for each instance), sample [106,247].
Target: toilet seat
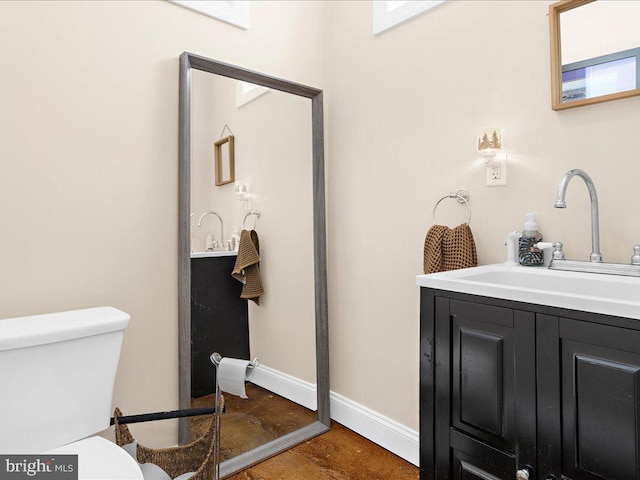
[98,458]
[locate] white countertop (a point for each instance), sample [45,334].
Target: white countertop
[589,292]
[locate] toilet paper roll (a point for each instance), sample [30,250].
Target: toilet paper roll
[232,373]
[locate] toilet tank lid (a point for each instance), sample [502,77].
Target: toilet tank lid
[21,332]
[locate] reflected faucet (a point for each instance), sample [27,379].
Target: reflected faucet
[221,224]
[596,256]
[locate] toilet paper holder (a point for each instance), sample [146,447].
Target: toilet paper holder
[216,358]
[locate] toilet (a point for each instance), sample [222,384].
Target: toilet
[57,373]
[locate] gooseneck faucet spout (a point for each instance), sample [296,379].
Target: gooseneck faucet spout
[596,256]
[221,224]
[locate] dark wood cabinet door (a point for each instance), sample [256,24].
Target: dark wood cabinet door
[589,407]
[485,388]
[219,320]
[504,388]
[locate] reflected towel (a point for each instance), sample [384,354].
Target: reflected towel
[449,249]
[247,267]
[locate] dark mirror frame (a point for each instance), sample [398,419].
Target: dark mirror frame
[190,61]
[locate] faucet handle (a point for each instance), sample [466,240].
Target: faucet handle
[511,236]
[558,254]
[512,248]
[635,259]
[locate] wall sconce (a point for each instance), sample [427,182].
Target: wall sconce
[490,148]
[242,191]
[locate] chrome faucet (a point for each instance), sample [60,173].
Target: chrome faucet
[596,256]
[595,264]
[221,224]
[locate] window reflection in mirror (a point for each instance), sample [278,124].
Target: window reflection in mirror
[617,72]
[246,92]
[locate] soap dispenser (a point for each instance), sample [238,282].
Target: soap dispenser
[528,255]
[235,238]
[510,242]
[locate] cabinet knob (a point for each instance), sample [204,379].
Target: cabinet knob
[522,474]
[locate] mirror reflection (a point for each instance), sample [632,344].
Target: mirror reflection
[596,50]
[271,204]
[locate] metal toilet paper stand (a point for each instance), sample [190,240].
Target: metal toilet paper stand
[216,358]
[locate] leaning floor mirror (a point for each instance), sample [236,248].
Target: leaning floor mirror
[274,212]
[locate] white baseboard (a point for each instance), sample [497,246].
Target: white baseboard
[292,388]
[387,433]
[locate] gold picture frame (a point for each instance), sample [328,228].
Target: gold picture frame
[225,171]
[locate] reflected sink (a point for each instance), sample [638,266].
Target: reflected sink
[215,253]
[597,293]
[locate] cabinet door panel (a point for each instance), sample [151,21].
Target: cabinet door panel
[469,471]
[483,372]
[481,379]
[474,460]
[600,411]
[588,400]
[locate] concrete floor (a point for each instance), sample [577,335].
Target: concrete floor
[339,454]
[249,423]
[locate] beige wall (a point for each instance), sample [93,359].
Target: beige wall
[405,109]
[89,179]
[588,31]
[89,148]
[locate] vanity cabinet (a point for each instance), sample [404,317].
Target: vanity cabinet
[219,319]
[506,386]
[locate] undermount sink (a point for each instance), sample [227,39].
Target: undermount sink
[597,293]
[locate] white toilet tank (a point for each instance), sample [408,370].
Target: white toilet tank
[56,376]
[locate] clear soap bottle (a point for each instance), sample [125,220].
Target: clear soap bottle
[235,238]
[528,255]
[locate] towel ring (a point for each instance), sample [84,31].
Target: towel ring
[462,196]
[256,214]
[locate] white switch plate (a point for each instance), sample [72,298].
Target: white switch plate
[497,176]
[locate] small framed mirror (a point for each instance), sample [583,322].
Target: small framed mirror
[595,52]
[224,156]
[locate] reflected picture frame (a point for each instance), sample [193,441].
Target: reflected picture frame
[224,160]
